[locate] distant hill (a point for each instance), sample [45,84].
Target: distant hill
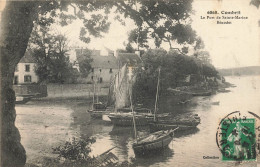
[251,70]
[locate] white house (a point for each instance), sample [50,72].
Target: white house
[104,67]
[25,70]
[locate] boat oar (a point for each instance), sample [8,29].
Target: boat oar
[175,129]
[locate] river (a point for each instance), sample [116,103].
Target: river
[45,124]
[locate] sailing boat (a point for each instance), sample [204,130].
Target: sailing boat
[155,141]
[123,90]
[98,108]
[184,122]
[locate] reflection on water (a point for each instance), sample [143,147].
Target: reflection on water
[186,149]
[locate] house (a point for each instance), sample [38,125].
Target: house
[25,70]
[104,67]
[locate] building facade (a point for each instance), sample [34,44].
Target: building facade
[104,67]
[25,71]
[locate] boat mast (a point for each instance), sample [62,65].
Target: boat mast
[133,116]
[131,103]
[156,98]
[97,91]
[94,95]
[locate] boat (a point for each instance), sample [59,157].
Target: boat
[156,141]
[153,142]
[201,93]
[184,122]
[105,159]
[223,90]
[98,108]
[122,116]
[127,120]
[22,100]
[215,103]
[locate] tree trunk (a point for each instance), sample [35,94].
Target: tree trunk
[16,26]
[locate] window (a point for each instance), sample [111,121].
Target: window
[110,70]
[92,69]
[100,80]
[15,80]
[27,68]
[92,77]
[16,68]
[100,70]
[27,78]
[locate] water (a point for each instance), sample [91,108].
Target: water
[46,124]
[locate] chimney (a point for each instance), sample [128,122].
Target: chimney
[116,53]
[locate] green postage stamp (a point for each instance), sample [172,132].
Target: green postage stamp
[238,137]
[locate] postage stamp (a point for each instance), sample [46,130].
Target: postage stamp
[238,136]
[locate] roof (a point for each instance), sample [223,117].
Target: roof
[98,60]
[104,62]
[130,58]
[28,58]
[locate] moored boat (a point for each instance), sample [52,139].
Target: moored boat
[184,122]
[201,93]
[127,119]
[98,109]
[143,117]
[22,100]
[153,142]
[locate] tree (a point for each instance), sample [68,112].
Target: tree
[204,56]
[139,37]
[17,23]
[50,53]
[85,62]
[174,69]
[255,3]
[166,21]
[129,48]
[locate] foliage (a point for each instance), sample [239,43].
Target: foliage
[77,149]
[255,3]
[166,21]
[139,37]
[203,56]
[174,66]
[50,53]
[85,62]
[129,48]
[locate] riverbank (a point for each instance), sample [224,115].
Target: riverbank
[49,122]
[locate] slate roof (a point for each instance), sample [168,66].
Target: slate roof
[104,62]
[27,58]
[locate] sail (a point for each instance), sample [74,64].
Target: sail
[120,88]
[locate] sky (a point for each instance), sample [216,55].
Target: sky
[230,45]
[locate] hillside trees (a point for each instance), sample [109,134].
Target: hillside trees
[175,67]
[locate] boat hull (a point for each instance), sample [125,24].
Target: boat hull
[154,126]
[128,121]
[156,145]
[201,94]
[98,114]
[22,100]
